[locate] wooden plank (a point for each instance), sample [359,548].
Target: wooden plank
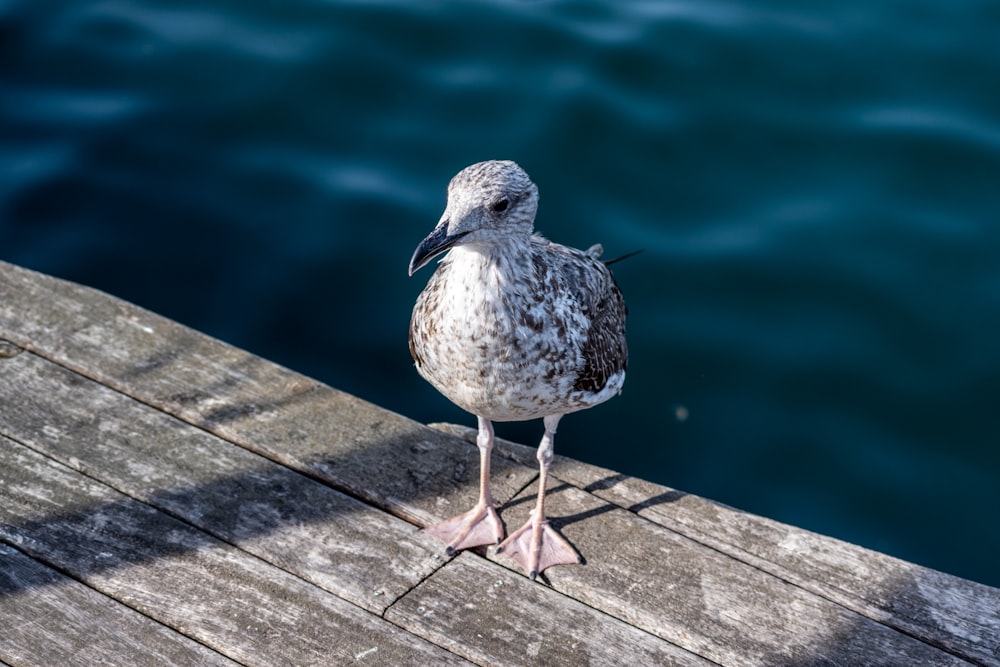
[210,591]
[492,616]
[370,453]
[956,614]
[50,619]
[351,549]
[702,600]
[414,473]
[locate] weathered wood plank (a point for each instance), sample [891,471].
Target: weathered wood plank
[369,452]
[210,591]
[400,466]
[351,549]
[492,616]
[958,615]
[702,600]
[47,618]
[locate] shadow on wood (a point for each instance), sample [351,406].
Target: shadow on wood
[199,484]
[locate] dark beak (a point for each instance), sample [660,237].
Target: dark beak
[436,243]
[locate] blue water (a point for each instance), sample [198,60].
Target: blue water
[814,321]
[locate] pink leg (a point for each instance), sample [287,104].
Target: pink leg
[480,525]
[536,545]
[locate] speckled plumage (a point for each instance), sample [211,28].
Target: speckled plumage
[513,327]
[517,327]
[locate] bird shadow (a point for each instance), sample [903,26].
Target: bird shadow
[560,522]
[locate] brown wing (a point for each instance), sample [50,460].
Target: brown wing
[592,286]
[605,352]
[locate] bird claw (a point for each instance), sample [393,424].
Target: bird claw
[536,546]
[478,527]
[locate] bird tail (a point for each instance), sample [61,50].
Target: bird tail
[609,262]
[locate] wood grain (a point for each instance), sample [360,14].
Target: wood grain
[370,453]
[493,616]
[48,618]
[936,608]
[250,512]
[703,600]
[337,542]
[222,597]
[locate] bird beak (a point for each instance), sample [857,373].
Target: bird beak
[436,243]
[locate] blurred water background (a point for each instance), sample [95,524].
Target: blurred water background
[814,322]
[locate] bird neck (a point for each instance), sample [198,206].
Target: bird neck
[498,262]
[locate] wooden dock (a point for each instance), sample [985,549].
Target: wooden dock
[167,499]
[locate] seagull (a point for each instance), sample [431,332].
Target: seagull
[513,327]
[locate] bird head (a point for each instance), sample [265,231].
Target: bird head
[488,203]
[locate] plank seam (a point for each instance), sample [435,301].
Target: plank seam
[789,577]
[601,612]
[846,601]
[69,575]
[184,521]
[730,551]
[111,384]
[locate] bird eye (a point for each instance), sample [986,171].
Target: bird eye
[501,205]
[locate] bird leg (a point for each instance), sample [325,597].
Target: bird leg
[480,525]
[536,545]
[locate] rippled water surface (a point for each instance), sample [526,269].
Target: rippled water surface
[814,320]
